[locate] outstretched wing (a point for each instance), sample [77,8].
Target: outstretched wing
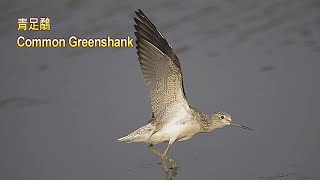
[161,70]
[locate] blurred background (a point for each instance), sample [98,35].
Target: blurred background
[62,109]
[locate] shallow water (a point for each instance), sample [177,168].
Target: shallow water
[61,110]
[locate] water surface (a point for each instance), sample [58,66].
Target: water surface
[61,110]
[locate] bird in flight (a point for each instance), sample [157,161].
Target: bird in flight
[172,119]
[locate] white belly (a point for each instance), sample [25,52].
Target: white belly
[177,129]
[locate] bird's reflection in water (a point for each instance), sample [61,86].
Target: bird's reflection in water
[171,175]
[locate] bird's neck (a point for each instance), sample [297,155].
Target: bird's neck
[207,123]
[203,120]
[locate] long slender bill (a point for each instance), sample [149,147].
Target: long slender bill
[241,126]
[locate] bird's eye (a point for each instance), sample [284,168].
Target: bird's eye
[222,117]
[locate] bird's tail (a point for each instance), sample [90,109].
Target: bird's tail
[140,135]
[128,138]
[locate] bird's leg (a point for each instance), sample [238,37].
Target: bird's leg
[172,162]
[163,156]
[150,147]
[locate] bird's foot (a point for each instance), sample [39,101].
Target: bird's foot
[171,176]
[173,164]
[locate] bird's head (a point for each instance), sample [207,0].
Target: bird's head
[221,119]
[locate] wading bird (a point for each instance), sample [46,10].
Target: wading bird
[173,119]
